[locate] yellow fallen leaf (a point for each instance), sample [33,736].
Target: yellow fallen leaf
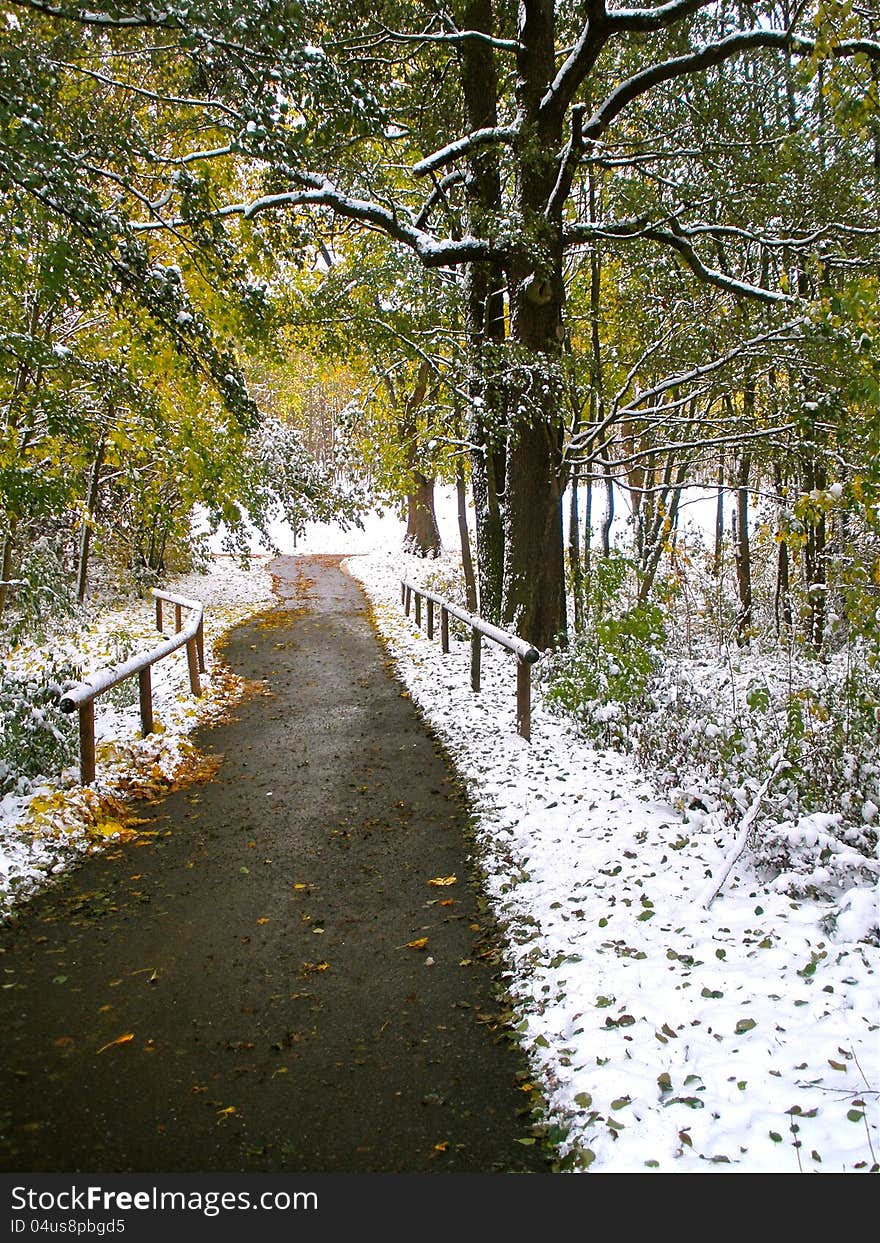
[441,881]
[224,1113]
[264,919]
[126,1038]
[300,885]
[417,945]
[448,902]
[442,1146]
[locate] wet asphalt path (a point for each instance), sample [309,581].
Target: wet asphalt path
[256,951]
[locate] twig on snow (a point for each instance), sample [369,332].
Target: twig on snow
[777,763]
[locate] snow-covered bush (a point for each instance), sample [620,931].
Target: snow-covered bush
[715,733]
[36,738]
[42,592]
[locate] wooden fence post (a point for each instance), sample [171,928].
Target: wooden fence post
[192,659]
[158,614]
[524,698]
[418,609]
[475,660]
[407,602]
[87,742]
[178,617]
[200,644]
[430,618]
[145,686]
[444,630]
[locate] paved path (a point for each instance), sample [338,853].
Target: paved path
[257,950]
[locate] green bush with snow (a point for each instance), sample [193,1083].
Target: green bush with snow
[36,738]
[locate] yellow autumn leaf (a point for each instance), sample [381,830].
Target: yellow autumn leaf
[126,1038]
[224,1113]
[442,1146]
[264,919]
[440,882]
[418,944]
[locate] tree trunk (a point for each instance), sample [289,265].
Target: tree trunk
[815,569]
[534,564]
[742,552]
[6,569]
[85,537]
[782,590]
[422,533]
[467,563]
[719,522]
[574,555]
[485,314]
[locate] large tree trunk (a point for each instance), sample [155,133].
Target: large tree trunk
[534,564]
[485,316]
[422,532]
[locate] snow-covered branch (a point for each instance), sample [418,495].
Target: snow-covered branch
[463,146]
[680,446]
[706,57]
[675,236]
[87,17]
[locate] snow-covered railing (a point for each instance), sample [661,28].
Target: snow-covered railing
[526,655]
[82,696]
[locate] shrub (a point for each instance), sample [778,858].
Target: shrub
[36,738]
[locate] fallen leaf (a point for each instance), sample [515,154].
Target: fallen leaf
[264,919]
[442,1146]
[418,944]
[126,1038]
[447,902]
[309,967]
[224,1113]
[440,882]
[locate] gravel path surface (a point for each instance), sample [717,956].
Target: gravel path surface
[266,980]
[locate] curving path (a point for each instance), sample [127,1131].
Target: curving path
[257,950]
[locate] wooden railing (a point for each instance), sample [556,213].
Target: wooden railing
[526,655]
[82,696]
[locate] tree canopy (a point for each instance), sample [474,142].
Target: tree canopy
[658,223]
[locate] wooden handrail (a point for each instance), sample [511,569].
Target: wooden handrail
[526,654]
[82,697]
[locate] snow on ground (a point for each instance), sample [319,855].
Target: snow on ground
[661,1035]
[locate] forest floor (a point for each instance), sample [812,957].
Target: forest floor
[289,967]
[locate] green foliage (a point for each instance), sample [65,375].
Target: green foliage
[603,678]
[41,595]
[36,738]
